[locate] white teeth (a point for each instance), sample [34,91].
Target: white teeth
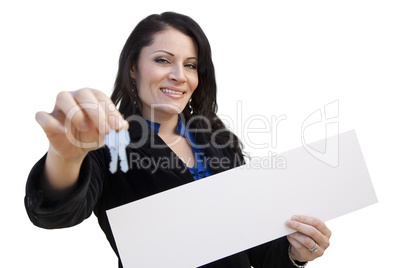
[171,91]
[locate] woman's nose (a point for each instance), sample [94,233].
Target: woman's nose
[177,74]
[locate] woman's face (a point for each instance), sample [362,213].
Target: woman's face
[166,73]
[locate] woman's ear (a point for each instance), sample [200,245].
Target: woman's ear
[132,72]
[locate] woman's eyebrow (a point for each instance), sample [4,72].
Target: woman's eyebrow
[171,54]
[167,52]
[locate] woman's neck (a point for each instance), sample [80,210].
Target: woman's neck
[168,122]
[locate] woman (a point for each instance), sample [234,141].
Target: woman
[166,90]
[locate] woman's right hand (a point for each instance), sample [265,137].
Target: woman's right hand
[78,124]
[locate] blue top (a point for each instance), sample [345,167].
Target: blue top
[201,168]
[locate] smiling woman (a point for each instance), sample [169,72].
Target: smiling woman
[166,74]
[166,92]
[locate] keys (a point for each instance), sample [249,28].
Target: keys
[124,140]
[110,141]
[117,143]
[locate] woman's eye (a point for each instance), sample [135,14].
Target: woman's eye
[162,60]
[191,66]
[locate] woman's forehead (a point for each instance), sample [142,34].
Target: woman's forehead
[173,41]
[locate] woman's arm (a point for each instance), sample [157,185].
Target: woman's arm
[77,125]
[73,207]
[64,185]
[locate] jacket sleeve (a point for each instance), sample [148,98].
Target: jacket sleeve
[71,209]
[273,254]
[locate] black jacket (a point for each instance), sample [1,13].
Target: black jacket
[98,190]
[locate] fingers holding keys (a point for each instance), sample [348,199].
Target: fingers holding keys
[68,110]
[78,124]
[114,118]
[89,112]
[96,108]
[87,106]
[81,118]
[311,238]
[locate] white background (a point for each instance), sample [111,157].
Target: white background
[279,58]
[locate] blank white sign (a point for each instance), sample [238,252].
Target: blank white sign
[223,214]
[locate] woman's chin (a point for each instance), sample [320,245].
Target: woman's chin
[166,108]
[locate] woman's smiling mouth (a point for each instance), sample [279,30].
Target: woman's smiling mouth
[172,93]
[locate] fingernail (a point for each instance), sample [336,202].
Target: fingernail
[125,124]
[296,218]
[289,223]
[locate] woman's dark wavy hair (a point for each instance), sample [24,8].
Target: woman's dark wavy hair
[203,102]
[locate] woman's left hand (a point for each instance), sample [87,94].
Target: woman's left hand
[311,238]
